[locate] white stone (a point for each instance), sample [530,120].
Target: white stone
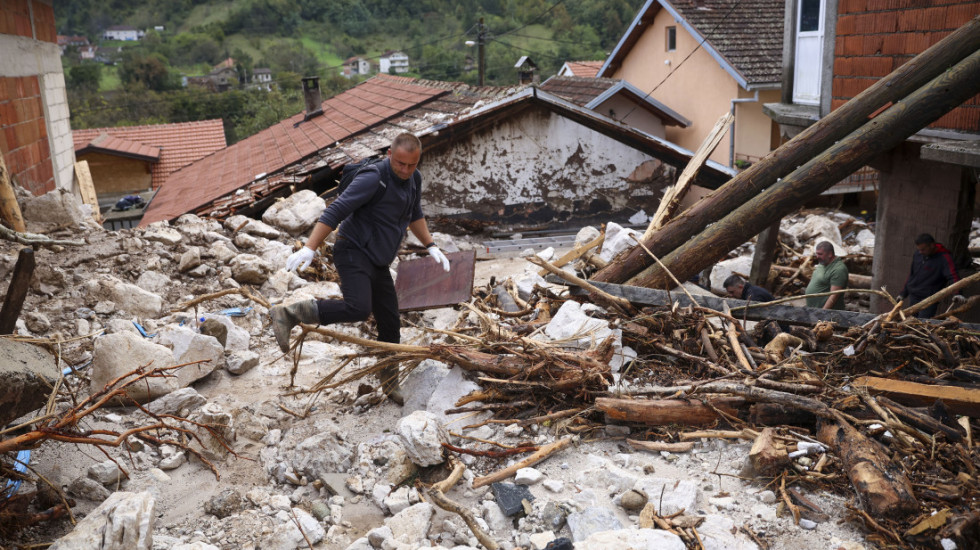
[106,472]
[618,238]
[189,259]
[444,397]
[420,384]
[240,362]
[252,227]
[807,524]
[396,501]
[814,229]
[574,328]
[540,540]
[126,297]
[525,284]
[554,485]
[162,233]
[238,338]
[412,524]
[632,539]
[117,354]
[184,400]
[223,252]
[250,269]
[124,521]
[297,213]
[189,346]
[154,281]
[528,476]
[723,269]
[547,254]
[513,430]
[51,210]
[639,218]
[586,235]
[422,436]
[495,517]
[722,503]
[672,495]
[378,535]
[287,536]
[719,533]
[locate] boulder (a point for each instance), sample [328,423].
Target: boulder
[89,489]
[297,213]
[672,496]
[161,232]
[240,362]
[180,402]
[106,472]
[216,329]
[126,297]
[124,521]
[117,354]
[52,210]
[422,436]
[586,235]
[237,338]
[252,227]
[723,269]
[628,539]
[420,383]
[27,374]
[154,281]
[223,252]
[411,525]
[189,259]
[814,229]
[592,520]
[250,269]
[189,346]
[573,325]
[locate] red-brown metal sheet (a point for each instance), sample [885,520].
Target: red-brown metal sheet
[422,283]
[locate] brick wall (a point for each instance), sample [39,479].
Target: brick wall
[24,139]
[874,37]
[28,18]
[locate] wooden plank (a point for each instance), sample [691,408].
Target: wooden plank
[422,283]
[958,400]
[672,198]
[576,253]
[17,290]
[83,176]
[9,209]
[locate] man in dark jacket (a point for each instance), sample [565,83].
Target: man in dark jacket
[372,214]
[738,288]
[932,270]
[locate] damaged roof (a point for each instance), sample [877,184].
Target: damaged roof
[745,37]
[169,146]
[437,112]
[592,92]
[588,69]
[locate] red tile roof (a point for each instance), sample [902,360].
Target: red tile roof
[351,112]
[174,145]
[587,69]
[591,92]
[875,38]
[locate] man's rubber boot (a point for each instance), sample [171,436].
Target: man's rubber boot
[390,384]
[284,318]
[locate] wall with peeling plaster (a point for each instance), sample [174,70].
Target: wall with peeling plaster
[536,166]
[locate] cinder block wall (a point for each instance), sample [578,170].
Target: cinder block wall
[35,133]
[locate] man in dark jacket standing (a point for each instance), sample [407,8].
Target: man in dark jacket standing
[932,270]
[372,214]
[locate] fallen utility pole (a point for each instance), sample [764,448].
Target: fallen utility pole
[17,291]
[885,131]
[815,139]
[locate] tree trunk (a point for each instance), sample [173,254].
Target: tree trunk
[661,412]
[850,116]
[882,133]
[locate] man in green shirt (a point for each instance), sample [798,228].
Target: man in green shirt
[830,275]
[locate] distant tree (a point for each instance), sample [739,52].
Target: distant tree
[85,77]
[149,72]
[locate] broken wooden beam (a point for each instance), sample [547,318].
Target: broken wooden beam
[767,457]
[17,291]
[9,208]
[881,485]
[662,412]
[958,399]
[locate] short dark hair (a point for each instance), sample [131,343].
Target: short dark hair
[925,238]
[826,246]
[733,280]
[406,142]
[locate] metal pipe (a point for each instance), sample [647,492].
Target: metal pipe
[731,145]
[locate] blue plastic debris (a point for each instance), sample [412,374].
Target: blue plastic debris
[68,370]
[20,466]
[142,330]
[235,311]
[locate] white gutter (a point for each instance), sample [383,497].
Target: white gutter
[731,146]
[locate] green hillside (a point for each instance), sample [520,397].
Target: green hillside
[143,81]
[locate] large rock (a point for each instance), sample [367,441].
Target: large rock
[189,346]
[126,297]
[117,354]
[287,536]
[27,374]
[618,238]
[58,208]
[814,229]
[237,338]
[720,533]
[671,495]
[422,435]
[412,524]
[250,269]
[297,213]
[252,227]
[630,539]
[724,269]
[180,402]
[124,521]
[161,232]
[592,520]
[154,281]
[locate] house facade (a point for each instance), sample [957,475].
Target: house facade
[704,58]
[122,32]
[835,50]
[393,62]
[35,133]
[356,66]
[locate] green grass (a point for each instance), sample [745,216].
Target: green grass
[322,51]
[110,79]
[202,14]
[251,45]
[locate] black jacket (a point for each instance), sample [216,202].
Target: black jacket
[755,293]
[930,274]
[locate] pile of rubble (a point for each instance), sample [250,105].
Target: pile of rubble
[536,416]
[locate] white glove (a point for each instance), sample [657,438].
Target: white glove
[439,257]
[300,259]
[959,299]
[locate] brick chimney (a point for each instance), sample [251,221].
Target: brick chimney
[311,95]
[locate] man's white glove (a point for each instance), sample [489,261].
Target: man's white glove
[959,299]
[439,257]
[300,259]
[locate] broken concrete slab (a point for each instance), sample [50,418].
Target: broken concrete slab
[123,522]
[27,374]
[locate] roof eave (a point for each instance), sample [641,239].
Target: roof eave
[634,26]
[116,153]
[673,117]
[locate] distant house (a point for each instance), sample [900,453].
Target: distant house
[580,68]
[224,75]
[134,159]
[122,32]
[705,58]
[87,52]
[262,78]
[356,66]
[493,154]
[75,40]
[393,61]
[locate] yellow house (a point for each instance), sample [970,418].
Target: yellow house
[703,58]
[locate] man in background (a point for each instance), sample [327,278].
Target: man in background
[932,270]
[830,275]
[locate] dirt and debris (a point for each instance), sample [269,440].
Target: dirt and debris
[533,413]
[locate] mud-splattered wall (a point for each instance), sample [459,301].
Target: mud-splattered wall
[537,166]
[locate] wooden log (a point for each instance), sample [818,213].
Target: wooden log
[662,412]
[539,455]
[921,421]
[766,456]
[17,290]
[672,198]
[657,446]
[576,253]
[775,414]
[9,208]
[881,485]
[908,77]
[958,400]
[884,132]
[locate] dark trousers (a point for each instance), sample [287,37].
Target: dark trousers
[367,289]
[926,313]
